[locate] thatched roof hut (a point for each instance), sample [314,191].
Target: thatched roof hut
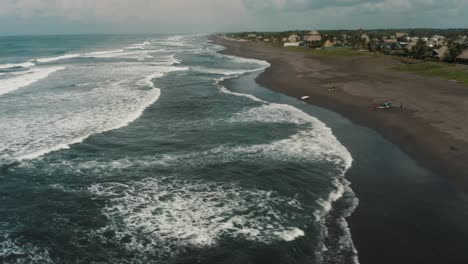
[313,36]
[328,44]
[463,56]
[401,35]
[441,52]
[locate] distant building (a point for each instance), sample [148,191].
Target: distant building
[293,38]
[313,36]
[438,38]
[410,46]
[440,52]
[365,37]
[285,39]
[463,57]
[414,39]
[400,35]
[252,35]
[266,40]
[328,44]
[291,44]
[391,41]
[391,44]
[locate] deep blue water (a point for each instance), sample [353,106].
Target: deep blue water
[132,149]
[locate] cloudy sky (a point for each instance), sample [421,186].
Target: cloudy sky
[203,16]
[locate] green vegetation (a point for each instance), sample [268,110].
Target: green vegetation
[337,51]
[437,69]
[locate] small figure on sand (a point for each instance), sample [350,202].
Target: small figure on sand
[401,106]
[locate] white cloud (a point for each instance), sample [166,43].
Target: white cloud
[37,16]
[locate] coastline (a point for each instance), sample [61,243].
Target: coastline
[410,217]
[425,130]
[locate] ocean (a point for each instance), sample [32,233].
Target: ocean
[159,149]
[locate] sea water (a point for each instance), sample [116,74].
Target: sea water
[158,149]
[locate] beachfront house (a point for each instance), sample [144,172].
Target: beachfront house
[294,38]
[251,36]
[390,45]
[400,35]
[313,36]
[285,39]
[328,44]
[440,53]
[414,39]
[463,58]
[409,46]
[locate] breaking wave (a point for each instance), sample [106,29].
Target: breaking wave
[27,78]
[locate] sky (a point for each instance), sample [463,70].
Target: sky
[20,17]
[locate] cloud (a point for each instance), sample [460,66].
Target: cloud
[127,15]
[374,5]
[114,16]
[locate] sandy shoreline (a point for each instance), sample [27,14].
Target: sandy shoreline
[432,128]
[402,217]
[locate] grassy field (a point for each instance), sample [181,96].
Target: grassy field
[338,51]
[441,70]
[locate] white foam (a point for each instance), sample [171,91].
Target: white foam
[63,57]
[223,89]
[77,112]
[170,214]
[151,97]
[25,79]
[291,235]
[15,65]
[262,63]
[23,253]
[139,45]
[117,53]
[104,54]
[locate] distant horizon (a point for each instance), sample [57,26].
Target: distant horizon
[72,17]
[221,32]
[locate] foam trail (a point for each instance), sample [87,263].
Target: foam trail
[63,57]
[198,214]
[17,65]
[139,45]
[150,99]
[223,89]
[110,111]
[26,79]
[102,54]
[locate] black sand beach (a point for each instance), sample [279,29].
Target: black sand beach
[407,214]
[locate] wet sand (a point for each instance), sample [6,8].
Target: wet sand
[432,128]
[412,218]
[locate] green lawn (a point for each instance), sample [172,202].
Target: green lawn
[441,70]
[338,51]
